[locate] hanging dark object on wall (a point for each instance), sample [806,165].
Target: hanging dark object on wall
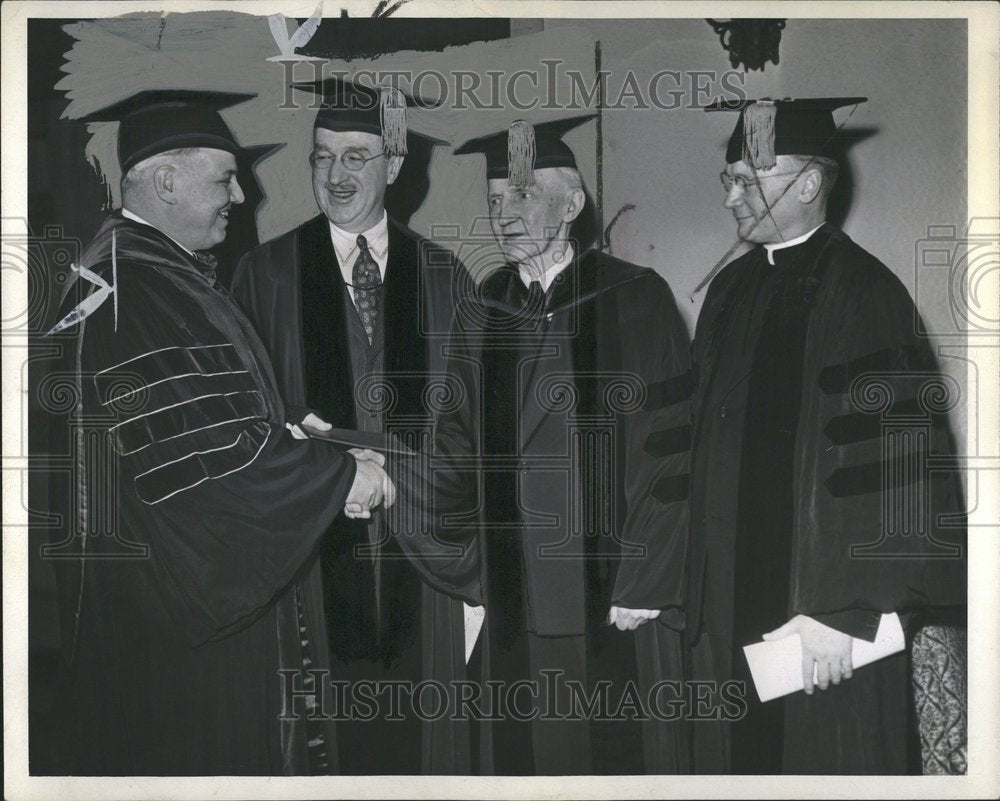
[751,42]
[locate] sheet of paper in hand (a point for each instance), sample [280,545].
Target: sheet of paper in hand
[776,666]
[373,440]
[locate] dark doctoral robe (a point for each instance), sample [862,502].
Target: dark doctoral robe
[577,407]
[385,623]
[823,484]
[188,583]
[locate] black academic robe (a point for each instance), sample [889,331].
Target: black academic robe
[185,577]
[824,485]
[385,622]
[580,419]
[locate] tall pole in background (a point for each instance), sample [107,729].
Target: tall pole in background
[599,200]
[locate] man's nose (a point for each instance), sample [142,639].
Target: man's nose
[734,197]
[236,192]
[338,172]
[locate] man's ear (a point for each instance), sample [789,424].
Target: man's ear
[810,183]
[163,184]
[395,165]
[575,205]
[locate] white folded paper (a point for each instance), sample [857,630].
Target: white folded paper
[776,666]
[474,617]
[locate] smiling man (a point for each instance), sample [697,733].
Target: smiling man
[204,177]
[799,521]
[353,197]
[195,586]
[355,310]
[577,366]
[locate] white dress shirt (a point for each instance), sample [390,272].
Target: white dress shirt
[129,215]
[345,245]
[790,243]
[550,273]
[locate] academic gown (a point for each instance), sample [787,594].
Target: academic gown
[579,411]
[385,622]
[185,582]
[817,412]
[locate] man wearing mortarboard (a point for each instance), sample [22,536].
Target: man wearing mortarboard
[577,407]
[197,511]
[813,509]
[355,310]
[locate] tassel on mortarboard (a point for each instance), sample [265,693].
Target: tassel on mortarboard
[393,117]
[521,154]
[517,151]
[758,134]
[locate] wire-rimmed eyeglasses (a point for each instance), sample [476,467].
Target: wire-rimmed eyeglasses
[353,160]
[743,183]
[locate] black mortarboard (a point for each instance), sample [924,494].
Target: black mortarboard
[515,153]
[154,121]
[350,106]
[770,128]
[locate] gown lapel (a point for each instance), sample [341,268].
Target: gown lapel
[404,322]
[573,306]
[328,378]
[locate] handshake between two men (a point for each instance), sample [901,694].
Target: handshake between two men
[372,485]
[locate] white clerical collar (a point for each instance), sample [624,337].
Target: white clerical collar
[550,273]
[129,215]
[345,244]
[790,243]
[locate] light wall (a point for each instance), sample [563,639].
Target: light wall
[907,167]
[908,170]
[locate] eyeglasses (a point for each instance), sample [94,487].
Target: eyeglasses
[743,183]
[353,160]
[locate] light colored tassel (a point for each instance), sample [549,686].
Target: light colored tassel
[393,119]
[758,134]
[521,154]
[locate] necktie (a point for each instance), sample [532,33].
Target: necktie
[367,280]
[535,305]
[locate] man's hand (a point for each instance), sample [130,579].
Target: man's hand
[827,649]
[362,456]
[366,454]
[631,619]
[310,420]
[371,487]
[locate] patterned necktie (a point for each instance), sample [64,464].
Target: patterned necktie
[367,280]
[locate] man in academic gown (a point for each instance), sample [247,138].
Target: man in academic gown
[814,510]
[186,591]
[355,311]
[576,373]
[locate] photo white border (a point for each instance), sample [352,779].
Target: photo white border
[983,779]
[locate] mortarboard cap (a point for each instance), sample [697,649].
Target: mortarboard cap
[518,151]
[155,121]
[770,128]
[350,106]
